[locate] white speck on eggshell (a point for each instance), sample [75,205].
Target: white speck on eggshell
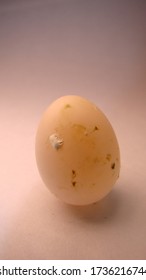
[56,141]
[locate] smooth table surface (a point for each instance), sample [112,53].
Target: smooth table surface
[96,50]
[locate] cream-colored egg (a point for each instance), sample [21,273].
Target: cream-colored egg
[77,152]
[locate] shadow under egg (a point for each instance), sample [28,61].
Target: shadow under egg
[98,212]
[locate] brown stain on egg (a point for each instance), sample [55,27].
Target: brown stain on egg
[67,106]
[108,157]
[73,176]
[96,128]
[113,165]
[74,183]
[79,132]
[73,173]
[79,128]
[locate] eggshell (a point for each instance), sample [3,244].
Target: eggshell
[77,152]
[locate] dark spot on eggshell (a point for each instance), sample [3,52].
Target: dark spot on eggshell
[96,128]
[67,106]
[74,183]
[73,172]
[113,165]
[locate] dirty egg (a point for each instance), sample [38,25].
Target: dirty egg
[72,133]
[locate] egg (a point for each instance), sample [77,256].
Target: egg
[77,152]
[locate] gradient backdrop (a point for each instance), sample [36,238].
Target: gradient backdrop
[96,49]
